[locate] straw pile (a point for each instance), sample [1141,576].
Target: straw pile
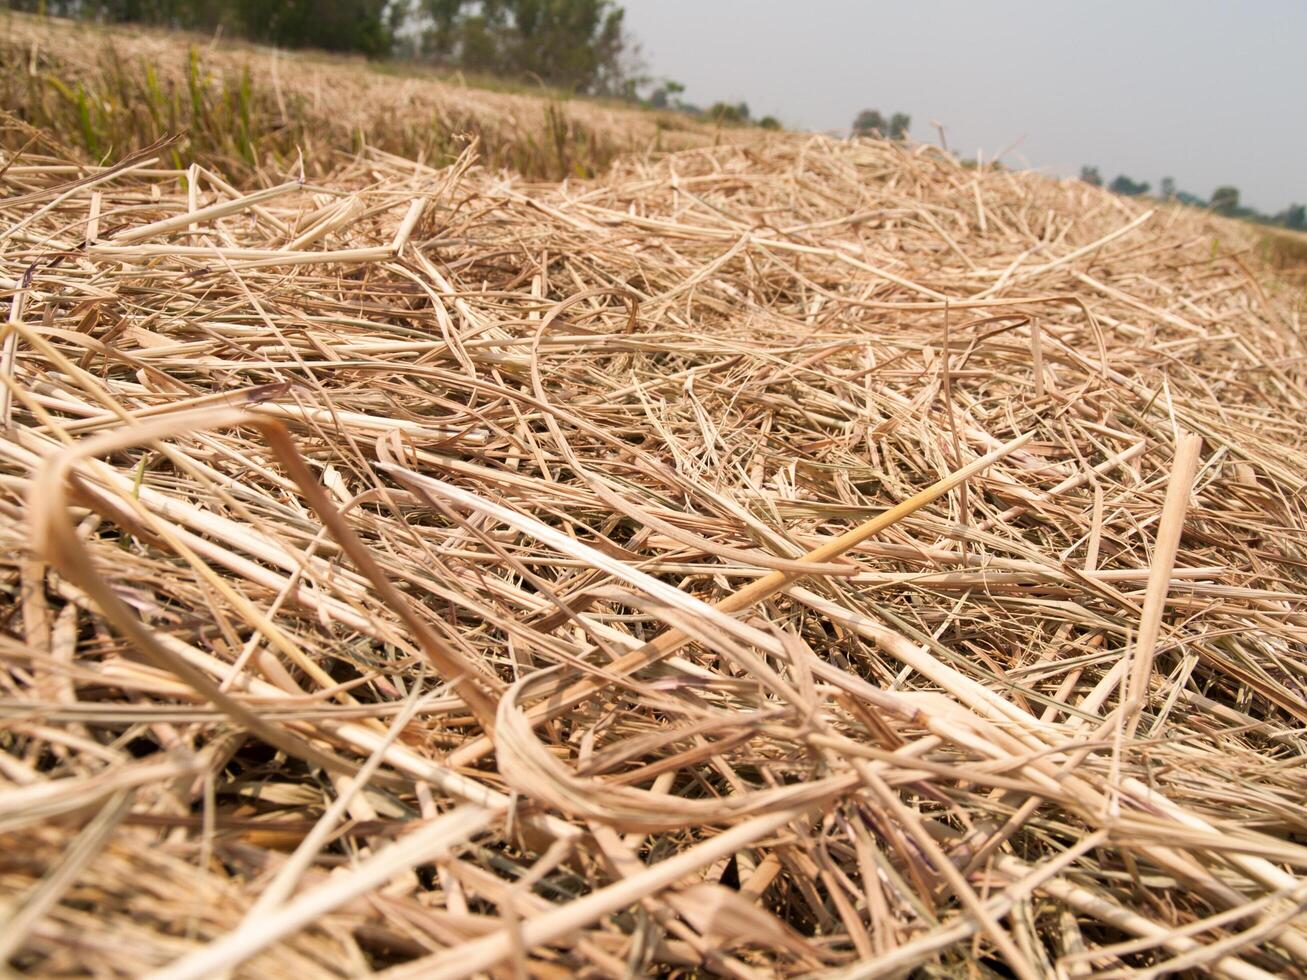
[805,557]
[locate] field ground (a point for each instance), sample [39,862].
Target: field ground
[633,551]
[242,108]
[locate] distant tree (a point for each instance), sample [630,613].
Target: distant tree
[870,122]
[580,45]
[342,25]
[170,13]
[53,8]
[1090,175]
[1168,188]
[365,26]
[1225,200]
[770,122]
[1122,184]
[729,113]
[1293,217]
[666,95]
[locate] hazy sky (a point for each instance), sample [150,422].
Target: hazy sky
[1206,92]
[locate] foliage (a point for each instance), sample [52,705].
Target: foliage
[579,45]
[666,95]
[122,104]
[1122,184]
[870,122]
[362,26]
[342,25]
[1225,200]
[1294,217]
[729,113]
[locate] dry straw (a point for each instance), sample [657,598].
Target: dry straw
[801,557]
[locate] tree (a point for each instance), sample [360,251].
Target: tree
[1091,176]
[870,122]
[342,25]
[729,113]
[666,95]
[1225,200]
[1122,184]
[580,45]
[1168,188]
[1293,217]
[770,122]
[365,26]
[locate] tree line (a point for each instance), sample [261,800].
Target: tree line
[576,45]
[1224,200]
[367,27]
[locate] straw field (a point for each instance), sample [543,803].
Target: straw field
[785,557]
[244,110]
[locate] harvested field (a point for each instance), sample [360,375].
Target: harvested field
[242,109]
[799,557]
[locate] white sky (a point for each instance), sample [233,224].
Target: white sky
[1207,91]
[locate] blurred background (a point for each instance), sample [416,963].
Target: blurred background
[1199,102]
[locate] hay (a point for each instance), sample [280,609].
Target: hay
[798,557]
